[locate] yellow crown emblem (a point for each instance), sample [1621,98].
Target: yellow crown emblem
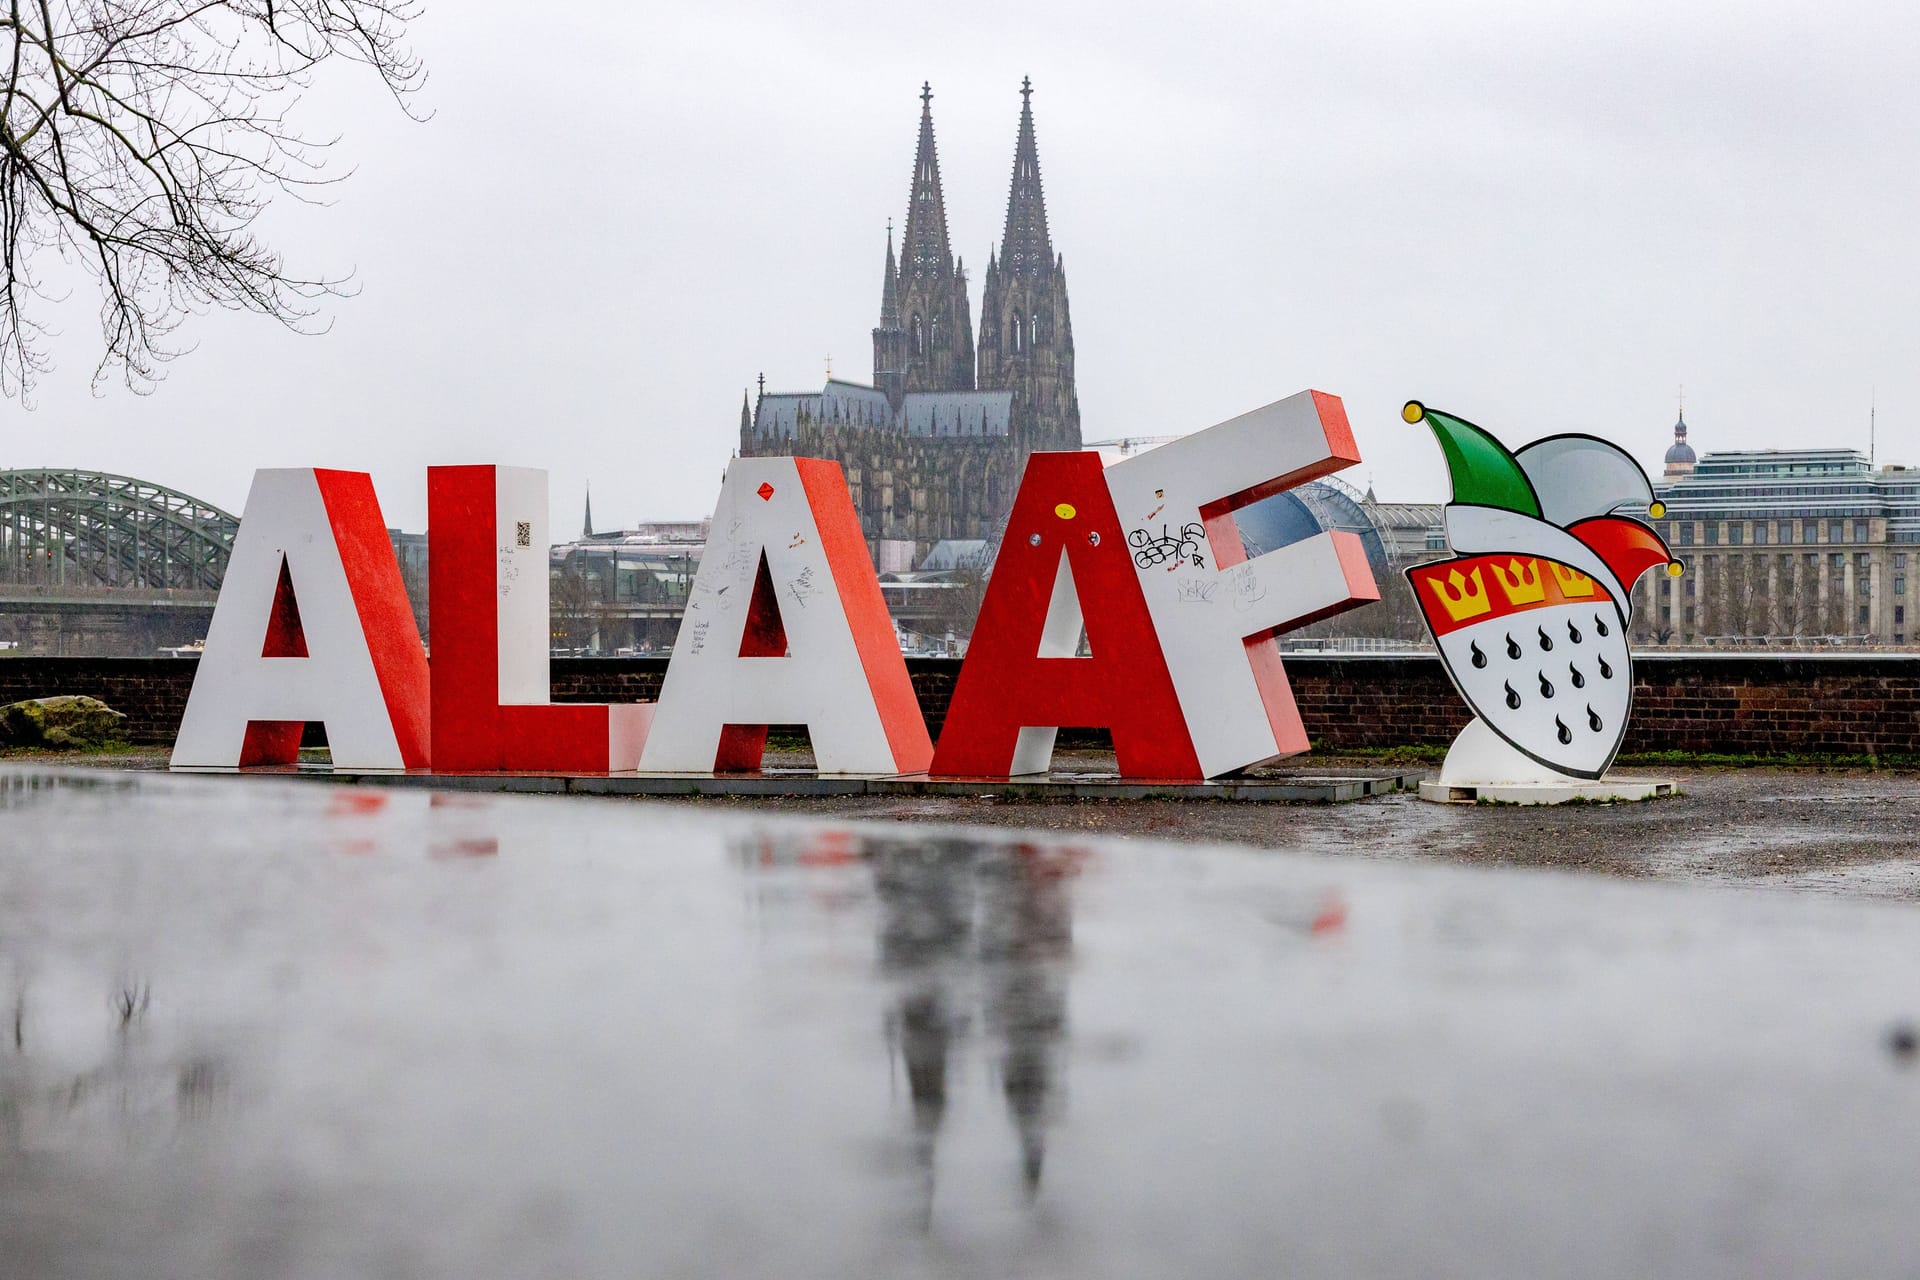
[1572,581]
[1521,582]
[1461,603]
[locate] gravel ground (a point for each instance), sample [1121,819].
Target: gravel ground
[1850,832]
[1842,831]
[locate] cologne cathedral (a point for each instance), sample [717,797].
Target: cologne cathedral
[933,448]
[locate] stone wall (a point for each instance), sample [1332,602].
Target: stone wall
[1844,704]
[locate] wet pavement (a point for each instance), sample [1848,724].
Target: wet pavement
[258,1028]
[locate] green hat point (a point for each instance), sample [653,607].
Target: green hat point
[1484,472]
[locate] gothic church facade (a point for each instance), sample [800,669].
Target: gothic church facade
[933,448]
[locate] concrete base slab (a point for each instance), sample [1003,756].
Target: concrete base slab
[1303,788]
[1607,790]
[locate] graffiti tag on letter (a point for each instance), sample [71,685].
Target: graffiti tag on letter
[1172,550]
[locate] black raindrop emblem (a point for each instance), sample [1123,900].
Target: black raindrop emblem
[1479,658]
[1513,699]
[1593,719]
[1546,641]
[1566,734]
[1606,672]
[1513,649]
[1599,626]
[1579,681]
[1573,633]
[1546,686]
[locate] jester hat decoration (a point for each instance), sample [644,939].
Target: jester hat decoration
[1530,614]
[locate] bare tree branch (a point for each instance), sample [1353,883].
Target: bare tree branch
[141,139]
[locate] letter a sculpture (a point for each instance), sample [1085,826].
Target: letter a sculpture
[1530,614]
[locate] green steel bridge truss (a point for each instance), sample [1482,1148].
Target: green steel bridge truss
[93,529]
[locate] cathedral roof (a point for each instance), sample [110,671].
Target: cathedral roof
[943,414]
[852,403]
[956,413]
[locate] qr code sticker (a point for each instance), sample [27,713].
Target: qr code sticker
[523,533]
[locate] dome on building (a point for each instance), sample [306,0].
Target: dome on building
[1680,456]
[1681,450]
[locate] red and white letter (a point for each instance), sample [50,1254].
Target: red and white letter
[312,625]
[785,624]
[1063,565]
[492,678]
[1216,611]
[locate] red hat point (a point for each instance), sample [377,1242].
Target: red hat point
[1626,546]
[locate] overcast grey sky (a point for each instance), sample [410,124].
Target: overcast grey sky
[1542,216]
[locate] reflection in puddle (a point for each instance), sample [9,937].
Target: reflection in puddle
[22,789]
[974,944]
[101,1039]
[229,1049]
[117,1074]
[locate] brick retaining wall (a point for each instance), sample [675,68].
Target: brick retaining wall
[150,692]
[1844,704]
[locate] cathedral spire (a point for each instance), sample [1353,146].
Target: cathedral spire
[890,290]
[1026,333]
[934,351]
[586,525]
[924,243]
[1026,250]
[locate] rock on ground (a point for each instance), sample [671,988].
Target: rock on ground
[68,722]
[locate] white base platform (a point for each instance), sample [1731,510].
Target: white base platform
[1604,791]
[1481,766]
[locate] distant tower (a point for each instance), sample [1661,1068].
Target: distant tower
[1026,333]
[1680,457]
[890,338]
[932,290]
[586,525]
